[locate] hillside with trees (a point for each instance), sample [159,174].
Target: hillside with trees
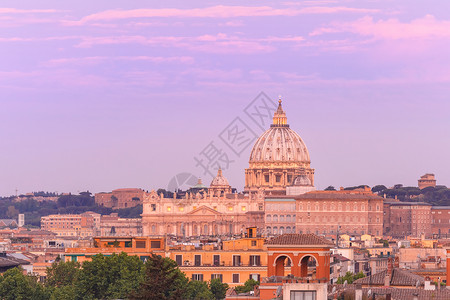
[10,207]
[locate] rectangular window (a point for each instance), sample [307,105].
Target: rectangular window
[217,276]
[128,244]
[266,178]
[140,244]
[236,260]
[197,277]
[197,260]
[253,243]
[255,260]
[303,295]
[155,244]
[179,259]
[153,207]
[255,277]
[235,278]
[216,260]
[278,178]
[289,178]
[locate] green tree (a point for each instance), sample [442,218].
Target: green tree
[162,281]
[63,293]
[62,274]
[248,286]
[198,290]
[350,277]
[12,212]
[218,289]
[107,277]
[379,188]
[14,285]
[330,188]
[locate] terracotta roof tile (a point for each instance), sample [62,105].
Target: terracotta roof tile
[398,278]
[399,293]
[299,239]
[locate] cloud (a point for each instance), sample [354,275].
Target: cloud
[219,11]
[233,23]
[5,10]
[391,29]
[94,60]
[219,43]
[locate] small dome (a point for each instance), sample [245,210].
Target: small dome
[219,180]
[302,180]
[199,185]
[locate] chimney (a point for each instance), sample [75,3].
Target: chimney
[427,285]
[387,278]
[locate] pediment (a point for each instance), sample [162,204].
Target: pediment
[204,210]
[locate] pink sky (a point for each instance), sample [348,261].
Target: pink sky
[127,93]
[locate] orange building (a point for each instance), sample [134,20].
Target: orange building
[304,256]
[140,246]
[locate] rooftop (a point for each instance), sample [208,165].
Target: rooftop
[398,278]
[299,239]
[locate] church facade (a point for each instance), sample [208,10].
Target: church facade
[279,197]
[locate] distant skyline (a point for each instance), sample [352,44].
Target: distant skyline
[121,94]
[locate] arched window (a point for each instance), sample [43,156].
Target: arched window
[288,229]
[282,230]
[275,230]
[269,218]
[269,230]
[288,218]
[281,218]
[275,218]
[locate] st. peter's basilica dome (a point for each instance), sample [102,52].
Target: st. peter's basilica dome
[277,158]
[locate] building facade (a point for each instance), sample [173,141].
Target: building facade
[355,212]
[427,180]
[120,198]
[404,219]
[212,213]
[440,221]
[71,225]
[112,225]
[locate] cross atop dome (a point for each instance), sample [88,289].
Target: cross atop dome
[279,118]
